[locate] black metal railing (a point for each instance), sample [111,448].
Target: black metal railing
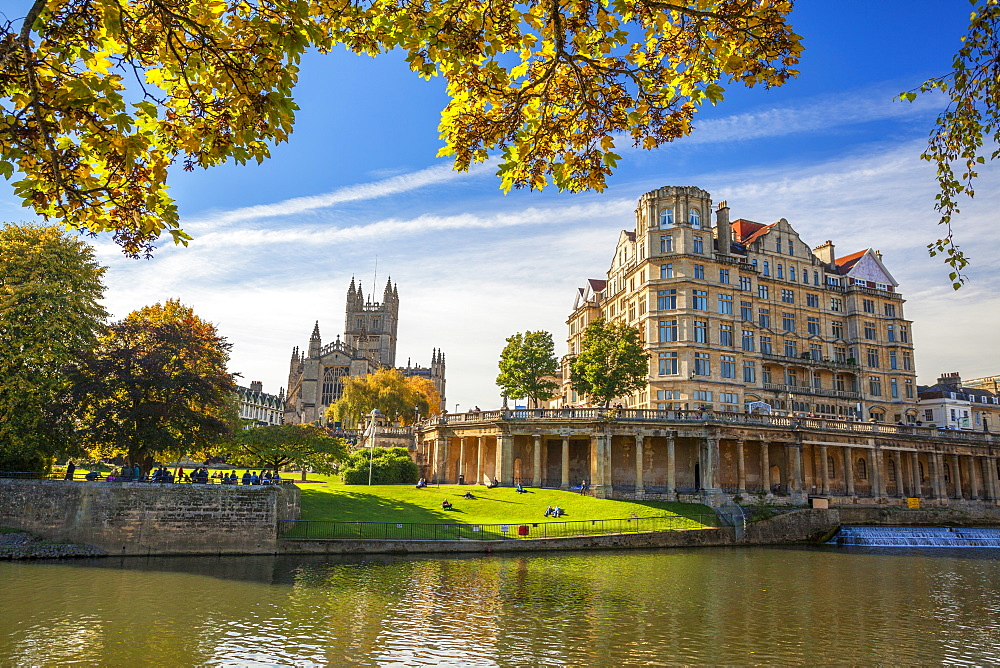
[333,530]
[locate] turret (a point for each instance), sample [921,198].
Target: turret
[315,343]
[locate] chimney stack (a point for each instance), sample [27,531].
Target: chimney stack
[723,229]
[825,252]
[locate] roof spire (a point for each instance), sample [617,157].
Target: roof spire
[315,334]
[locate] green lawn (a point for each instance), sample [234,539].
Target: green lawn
[405,504]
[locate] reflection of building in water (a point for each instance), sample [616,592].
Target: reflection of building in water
[316,375]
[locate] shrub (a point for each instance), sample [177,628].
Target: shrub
[388,466]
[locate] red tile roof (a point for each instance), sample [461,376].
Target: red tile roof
[744,228]
[846,263]
[597,284]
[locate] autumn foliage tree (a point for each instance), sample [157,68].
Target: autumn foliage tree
[100,98]
[399,397]
[611,362]
[50,314]
[156,384]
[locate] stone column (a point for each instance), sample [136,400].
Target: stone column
[973,483]
[765,466]
[671,465]
[849,470]
[741,469]
[440,458]
[918,489]
[505,459]
[897,460]
[878,475]
[598,465]
[565,463]
[824,471]
[956,475]
[536,470]
[710,466]
[640,484]
[990,477]
[460,469]
[479,459]
[795,464]
[937,477]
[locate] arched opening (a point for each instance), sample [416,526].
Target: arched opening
[517,470]
[666,217]
[891,468]
[920,466]
[862,468]
[831,467]
[697,475]
[695,218]
[947,473]
[775,475]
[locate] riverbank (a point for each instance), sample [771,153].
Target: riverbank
[23,545]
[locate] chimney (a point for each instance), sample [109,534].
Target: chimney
[256,386]
[952,380]
[723,229]
[825,253]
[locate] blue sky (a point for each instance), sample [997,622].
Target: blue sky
[277,244]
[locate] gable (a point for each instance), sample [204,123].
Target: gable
[868,268]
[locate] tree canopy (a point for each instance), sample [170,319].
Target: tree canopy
[525,363]
[100,98]
[50,314]
[399,397]
[611,362]
[155,384]
[278,446]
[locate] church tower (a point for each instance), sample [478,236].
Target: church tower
[370,326]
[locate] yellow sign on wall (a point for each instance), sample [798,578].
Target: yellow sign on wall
[913,503]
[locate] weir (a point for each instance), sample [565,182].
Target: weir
[874,536]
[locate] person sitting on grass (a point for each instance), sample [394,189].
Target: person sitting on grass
[468,495]
[421,483]
[557,512]
[445,505]
[521,490]
[549,511]
[495,483]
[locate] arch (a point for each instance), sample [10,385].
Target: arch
[891,467]
[831,467]
[775,475]
[694,217]
[861,466]
[517,470]
[920,466]
[666,217]
[947,473]
[333,384]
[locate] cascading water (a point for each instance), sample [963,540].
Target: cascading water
[916,537]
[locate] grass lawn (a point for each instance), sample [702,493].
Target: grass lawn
[501,505]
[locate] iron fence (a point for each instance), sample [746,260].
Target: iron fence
[334,530]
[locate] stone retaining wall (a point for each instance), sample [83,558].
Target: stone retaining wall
[146,518]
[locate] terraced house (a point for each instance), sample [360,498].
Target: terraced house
[747,316]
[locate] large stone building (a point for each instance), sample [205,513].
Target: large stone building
[259,408]
[741,313]
[315,375]
[953,404]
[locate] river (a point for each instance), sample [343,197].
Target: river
[707,605]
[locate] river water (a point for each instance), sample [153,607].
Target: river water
[708,605]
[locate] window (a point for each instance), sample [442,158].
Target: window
[745,283]
[893,388]
[862,468]
[836,304]
[788,322]
[781,270]
[767,268]
[699,244]
[726,304]
[724,276]
[908,385]
[815,351]
[747,341]
[831,469]
[762,292]
[695,217]
[701,331]
[873,358]
[666,271]
[812,300]
[702,395]
[903,336]
[812,325]
[777,244]
[702,365]
[749,372]
[764,318]
[765,345]
[892,360]
[791,348]
[791,247]
[726,335]
[928,414]
[746,311]
[788,296]
[840,354]
[727,366]
[765,375]
[729,397]
[815,278]
[668,364]
[837,329]
[666,217]
[333,386]
[699,300]
[791,274]
[870,331]
[838,383]
[666,244]
[868,305]
[666,300]
[699,271]
[890,310]
[791,378]
[874,386]
[668,331]
[907,362]
[891,333]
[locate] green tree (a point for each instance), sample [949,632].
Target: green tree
[389,466]
[972,89]
[101,97]
[399,397]
[50,314]
[525,363]
[611,362]
[156,384]
[278,446]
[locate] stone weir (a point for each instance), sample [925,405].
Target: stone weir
[146,518]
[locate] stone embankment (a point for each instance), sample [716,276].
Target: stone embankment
[22,545]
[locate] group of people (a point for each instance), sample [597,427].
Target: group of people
[162,474]
[421,483]
[554,512]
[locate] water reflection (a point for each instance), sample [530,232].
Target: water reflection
[714,605]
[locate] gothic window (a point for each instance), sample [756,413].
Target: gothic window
[831,469]
[862,469]
[333,386]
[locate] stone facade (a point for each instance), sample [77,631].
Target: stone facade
[315,376]
[259,408]
[712,456]
[953,404]
[744,314]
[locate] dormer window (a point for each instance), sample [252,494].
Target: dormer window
[695,218]
[666,217]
